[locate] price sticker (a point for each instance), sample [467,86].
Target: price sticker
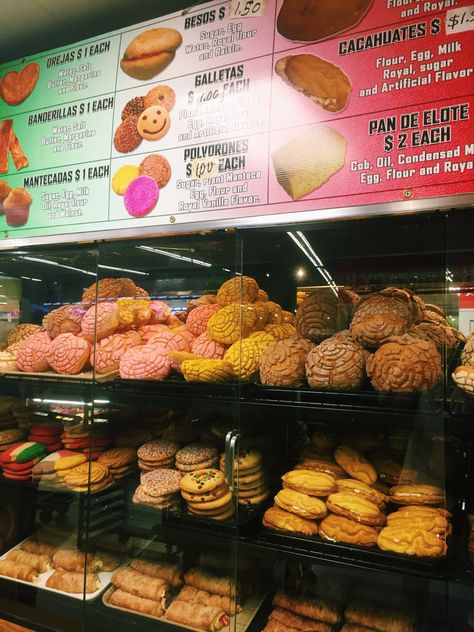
[247,8]
[460,20]
[204,168]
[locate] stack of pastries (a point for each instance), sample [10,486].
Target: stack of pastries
[302,612]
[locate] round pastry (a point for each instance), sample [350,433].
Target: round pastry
[32,354]
[377,317]
[146,362]
[411,541]
[126,137]
[68,460]
[161,482]
[22,332]
[154,122]
[309,482]
[159,450]
[281,331]
[280,520]
[355,464]
[108,288]
[355,508]
[7,362]
[261,295]
[122,178]
[133,312]
[170,341]
[354,486]
[106,355]
[206,299]
[467,355]
[141,196]
[11,436]
[134,107]
[23,452]
[157,167]
[206,496]
[68,354]
[404,364]
[274,313]
[338,362]
[391,470]
[240,289]
[464,378]
[442,335]
[118,457]
[283,363]
[198,318]
[64,320]
[160,312]
[196,453]
[339,529]
[244,356]
[161,95]
[264,339]
[201,481]
[203,370]
[205,347]
[416,494]
[323,314]
[210,505]
[100,321]
[301,504]
[232,322]
[89,473]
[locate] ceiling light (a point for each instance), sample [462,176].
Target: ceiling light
[30,278]
[300,273]
[122,269]
[58,265]
[304,245]
[172,255]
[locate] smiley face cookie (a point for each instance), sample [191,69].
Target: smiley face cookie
[154,122]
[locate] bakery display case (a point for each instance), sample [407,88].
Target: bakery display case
[244,429]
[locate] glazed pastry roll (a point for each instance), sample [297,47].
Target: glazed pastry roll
[193,595]
[40,548]
[379,618]
[319,609]
[125,599]
[41,563]
[140,585]
[18,571]
[288,619]
[74,561]
[73,582]
[203,580]
[168,571]
[202,617]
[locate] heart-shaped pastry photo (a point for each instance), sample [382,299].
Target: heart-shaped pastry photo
[16,86]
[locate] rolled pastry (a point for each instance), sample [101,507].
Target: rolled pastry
[203,617]
[140,585]
[125,599]
[18,571]
[74,560]
[193,595]
[41,563]
[318,609]
[73,582]
[40,548]
[166,570]
[109,562]
[203,580]
[379,618]
[288,619]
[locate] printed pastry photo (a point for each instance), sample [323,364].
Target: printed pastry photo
[324,83]
[306,162]
[16,207]
[150,52]
[316,20]
[15,86]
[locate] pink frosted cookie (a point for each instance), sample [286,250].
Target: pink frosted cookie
[198,317]
[31,356]
[170,341]
[145,362]
[100,321]
[108,351]
[68,354]
[160,312]
[148,331]
[207,348]
[141,196]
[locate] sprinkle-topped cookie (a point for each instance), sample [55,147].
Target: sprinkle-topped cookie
[201,481]
[161,482]
[196,453]
[157,450]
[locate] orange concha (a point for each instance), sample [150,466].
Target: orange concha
[68,353]
[196,322]
[240,289]
[205,347]
[108,288]
[100,321]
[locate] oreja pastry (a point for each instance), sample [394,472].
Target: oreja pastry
[355,464]
[356,508]
[310,482]
[416,494]
[341,529]
[411,541]
[301,504]
[15,86]
[150,52]
[280,520]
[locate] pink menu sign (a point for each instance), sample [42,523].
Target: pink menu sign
[203,116]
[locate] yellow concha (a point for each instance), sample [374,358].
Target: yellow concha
[244,356]
[280,332]
[242,289]
[202,370]
[262,338]
[232,322]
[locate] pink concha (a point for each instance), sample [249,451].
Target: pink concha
[31,355]
[108,351]
[68,353]
[146,362]
[148,331]
[170,341]
[160,312]
[197,319]
[207,348]
[107,316]
[182,331]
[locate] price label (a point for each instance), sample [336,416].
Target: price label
[247,8]
[459,20]
[204,168]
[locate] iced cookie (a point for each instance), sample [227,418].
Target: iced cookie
[141,196]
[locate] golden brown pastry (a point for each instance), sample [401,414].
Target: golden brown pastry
[463,376]
[40,548]
[416,511]
[310,482]
[202,617]
[379,618]
[287,620]
[340,529]
[74,560]
[355,464]
[321,465]
[435,523]
[150,52]
[73,582]
[411,541]
[416,494]
[301,504]
[18,571]
[319,609]
[324,314]
[194,595]
[356,508]
[283,362]
[338,362]
[241,289]
[356,487]
[40,563]
[379,316]
[280,520]
[204,580]
[141,585]
[168,571]
[124,599]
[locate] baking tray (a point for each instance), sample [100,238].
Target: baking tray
[242,620]
[52,376]
[104,577]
